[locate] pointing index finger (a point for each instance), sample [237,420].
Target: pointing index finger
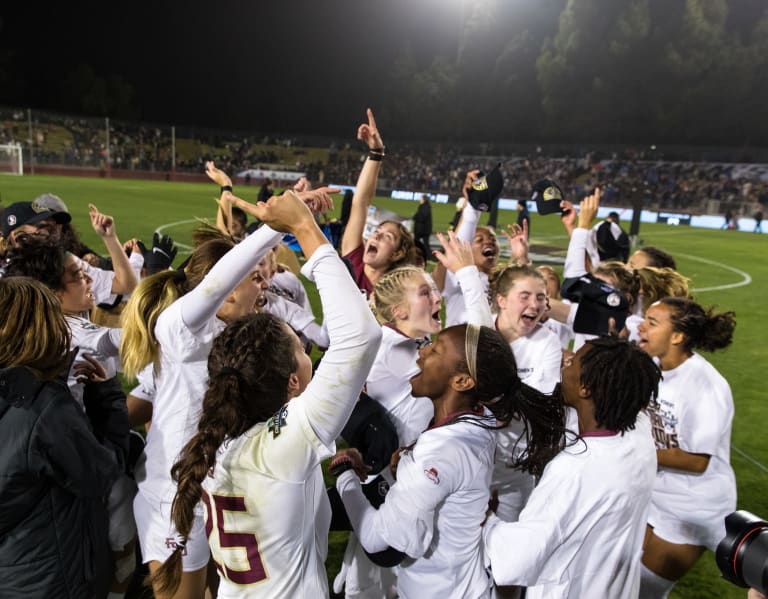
[371,120]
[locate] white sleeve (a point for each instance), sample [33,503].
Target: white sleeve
[406,519]
[354,338]
[468,224]
[301,320]
[475,297]
[201,304]
[575,264]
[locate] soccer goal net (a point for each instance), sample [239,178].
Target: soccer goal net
[11,160]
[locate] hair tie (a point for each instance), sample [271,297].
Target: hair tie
[180,276]
[181,543]
[471,339]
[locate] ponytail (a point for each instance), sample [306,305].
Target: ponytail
[703,328]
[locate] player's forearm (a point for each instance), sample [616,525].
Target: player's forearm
[125,280]
[680,459]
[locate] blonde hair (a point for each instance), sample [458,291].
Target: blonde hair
[138,345]
[389,292]
[33,332]
[625,279]
[657,283]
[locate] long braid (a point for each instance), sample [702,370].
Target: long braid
[248,367]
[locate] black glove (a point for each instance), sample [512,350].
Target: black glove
[161,256]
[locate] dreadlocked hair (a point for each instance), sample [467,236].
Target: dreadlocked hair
[138,345]
[621,380]
[498,388]
[703,328]
[389,291]
[248,369]
[502,279]
[657,283]
[624,278]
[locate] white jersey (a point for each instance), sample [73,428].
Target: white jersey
[101,281]
[267,511]
[389,381]
[185,331]
[538,357]
[288,285]
[299,319]
[101,343]
[694,411]
[581,533]
[433,513]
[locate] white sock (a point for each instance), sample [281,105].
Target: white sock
[653,586]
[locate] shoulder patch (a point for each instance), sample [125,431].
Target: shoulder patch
[278,421]
[432,474]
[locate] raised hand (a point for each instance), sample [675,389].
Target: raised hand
[318,200]
[217,175]
[568,216]
[103,225]
[370,133]
[588,209]
[456,255]
[518,242]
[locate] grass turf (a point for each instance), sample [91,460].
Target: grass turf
[710,258]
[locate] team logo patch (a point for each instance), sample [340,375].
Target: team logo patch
[277,422]
[11,220]
[613,300]
[432,475]
[383,488]
[38,207]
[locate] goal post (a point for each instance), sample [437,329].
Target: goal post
[11,159]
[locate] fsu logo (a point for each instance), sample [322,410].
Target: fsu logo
[11,220]
[432,475]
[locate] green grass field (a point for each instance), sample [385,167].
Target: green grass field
[728,268]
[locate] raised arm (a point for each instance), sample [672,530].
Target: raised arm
[125,280]
[224,202]
[575,260]
[457,257]
[365,190]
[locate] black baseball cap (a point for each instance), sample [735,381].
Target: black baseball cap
[485,189]
[27,213]
[547,195]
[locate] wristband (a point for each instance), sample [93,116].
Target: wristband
[339,465]
[377,153]
[375,157]
[226,188]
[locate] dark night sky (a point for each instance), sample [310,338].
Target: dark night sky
[307,66]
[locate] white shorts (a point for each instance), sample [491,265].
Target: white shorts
[671,528]
[157,535]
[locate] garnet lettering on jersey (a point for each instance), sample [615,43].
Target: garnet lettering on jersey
[663,424]
[215,506]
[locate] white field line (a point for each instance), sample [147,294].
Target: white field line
[746,278]
[750,459]
[185,249]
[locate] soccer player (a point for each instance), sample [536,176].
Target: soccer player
[581,532]
[264,428]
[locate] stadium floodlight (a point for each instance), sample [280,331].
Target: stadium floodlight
[11,159]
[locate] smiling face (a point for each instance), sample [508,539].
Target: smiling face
[383,246]
[485,249]
[657,334]
[437,363]
[522,307]
[75,295]
[418,314]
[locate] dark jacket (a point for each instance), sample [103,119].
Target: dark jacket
[55,478]
[422,221]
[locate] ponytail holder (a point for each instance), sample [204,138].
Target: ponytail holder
[180,276]
[181,543]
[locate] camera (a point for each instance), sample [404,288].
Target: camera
[742,555]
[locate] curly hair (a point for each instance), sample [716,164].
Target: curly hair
[39,258]
[702,328]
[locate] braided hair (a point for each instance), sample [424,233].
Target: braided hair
[249,367]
